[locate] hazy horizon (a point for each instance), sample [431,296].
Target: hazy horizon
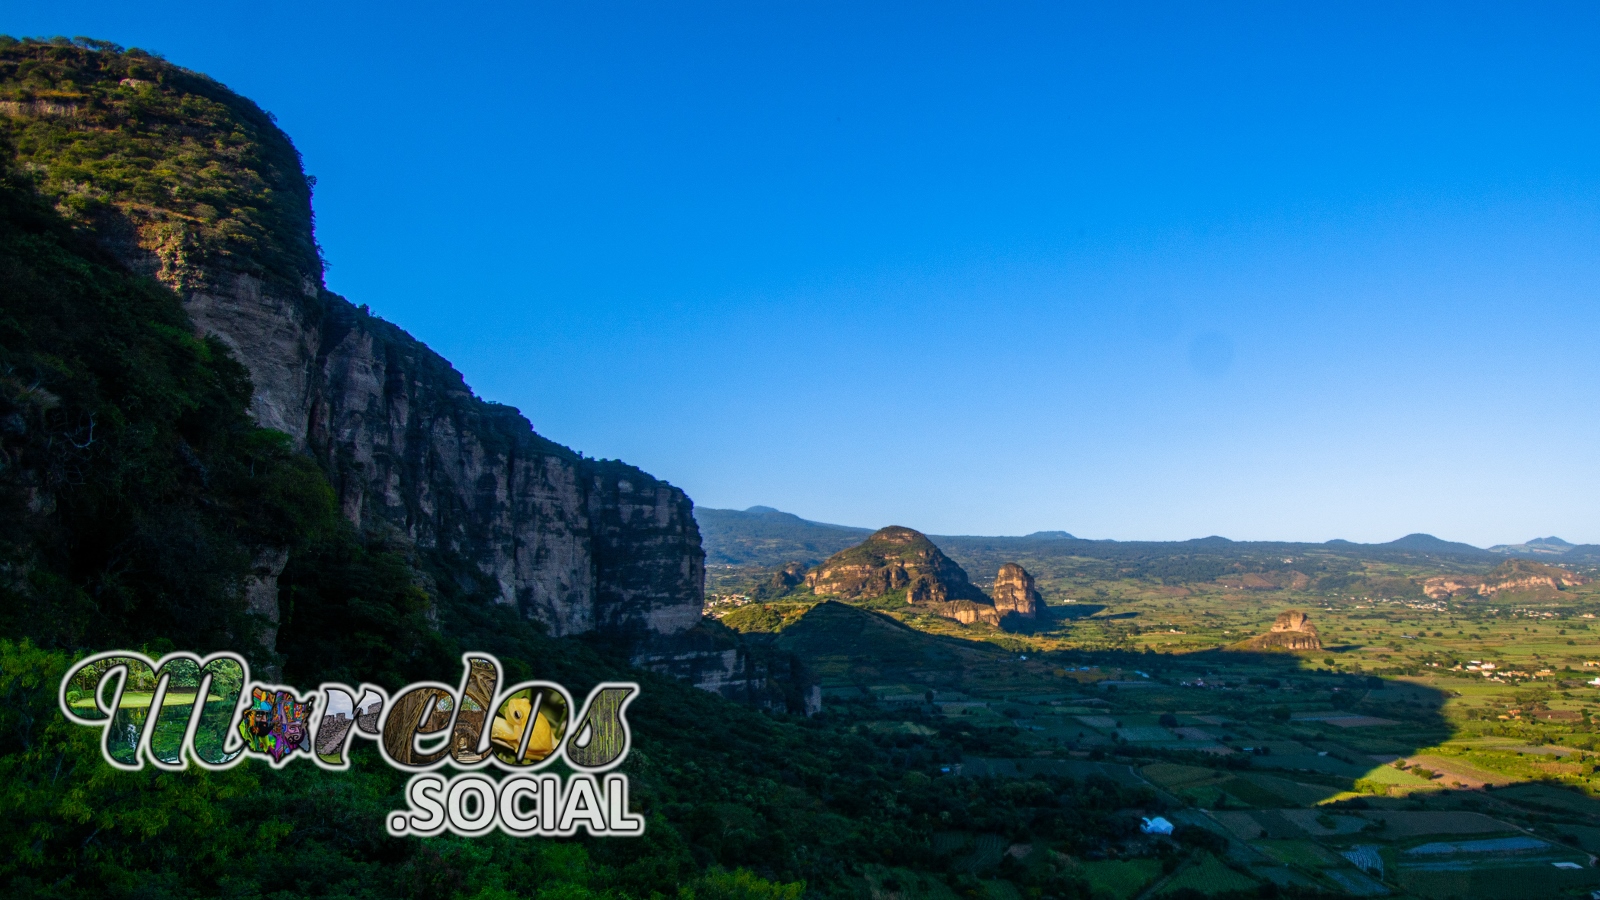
[1149,272]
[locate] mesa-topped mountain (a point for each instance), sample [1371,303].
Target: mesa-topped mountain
[901,561]
[170,175]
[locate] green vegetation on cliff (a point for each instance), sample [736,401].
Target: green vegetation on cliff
[159,155]
[134,487]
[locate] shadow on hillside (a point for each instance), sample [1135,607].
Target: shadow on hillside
[1289,733]
[1273,761]
[1283,763]
[1050,618]
[1283,732]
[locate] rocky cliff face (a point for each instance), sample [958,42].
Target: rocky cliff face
[1512,575]
[579,544]
[967,612]
[715,659]
[1014,593]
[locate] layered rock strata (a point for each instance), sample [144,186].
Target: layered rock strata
[967,612]
[577,543]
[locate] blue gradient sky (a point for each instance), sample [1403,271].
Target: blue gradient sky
[1152,272]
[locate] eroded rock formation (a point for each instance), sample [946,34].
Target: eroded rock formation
[1014,593]
[579,544]
[1512,575]
[786,579]
[895,559]
[889,560]
[715,660]
[1291,630]
[967,612]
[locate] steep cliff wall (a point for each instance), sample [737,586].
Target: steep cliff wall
[183,180]
[579,544]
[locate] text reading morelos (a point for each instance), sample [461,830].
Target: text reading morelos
[186,708]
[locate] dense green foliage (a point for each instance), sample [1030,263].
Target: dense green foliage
[133,485]
[141,533]
[161,156]
[726,789]
[73,826]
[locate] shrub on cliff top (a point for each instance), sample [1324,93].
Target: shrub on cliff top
[160,157]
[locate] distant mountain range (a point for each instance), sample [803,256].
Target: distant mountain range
[763,536]
[1545,546]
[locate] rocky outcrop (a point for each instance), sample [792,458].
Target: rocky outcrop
[889,560]
[783,581]
[966,612]
[1014,593]
[927,589]
[580,544]
[897,559]
[1512,575]
[261,591]
[1291,630]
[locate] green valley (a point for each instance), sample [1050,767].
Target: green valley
[1421,744]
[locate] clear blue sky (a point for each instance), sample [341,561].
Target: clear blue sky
[1289,271]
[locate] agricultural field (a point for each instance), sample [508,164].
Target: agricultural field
[1433,747]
